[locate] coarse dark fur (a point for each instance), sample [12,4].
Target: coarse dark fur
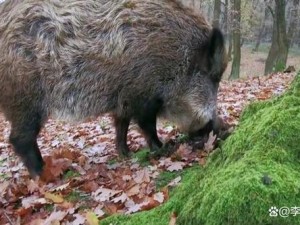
[136,59]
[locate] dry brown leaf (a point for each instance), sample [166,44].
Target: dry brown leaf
[90,186]
[133,191]
[55,218]
[104,194]
[32,186]
[173,219]
[98,211]
[142,176]
[29,201]
[175,166]
[202,161]
[3,187]
[126,177]
[110,208]
[132,207]
[149,204]
[122,198]
[79,220]
[174,182]
[159,197]
[53,197]
[60,187]
[92,218]
[184,151]
[37,222]
[210,144]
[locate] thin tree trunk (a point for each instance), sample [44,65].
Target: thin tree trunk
[217,12]
[277,56]
[235,69]
[293,22]
[261,30]
[229,4]
[226,18]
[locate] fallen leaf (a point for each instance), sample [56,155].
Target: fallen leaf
[173,219]
[132,207]
[32,186]
[3,186]
[122,198]
[53,197]
[92,218]
[133,191]
[159,197]
[104,194]
[175,166]
[142,176]
[29,201]
[61,187]
[210,144]
[79,220]
[55,218]
[174,182]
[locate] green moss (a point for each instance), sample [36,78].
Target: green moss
[256,168]
[76,196]
[70,174]
[49,207]
[142,156]
[166,177]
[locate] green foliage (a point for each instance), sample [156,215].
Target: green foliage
[257,167]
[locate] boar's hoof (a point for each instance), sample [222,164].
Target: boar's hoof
[123,152]
[34,166]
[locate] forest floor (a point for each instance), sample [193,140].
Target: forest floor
[84,179]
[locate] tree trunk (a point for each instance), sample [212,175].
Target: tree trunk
[235,69]
[293,22]
[217,12]
[261,30]
[226,18]
[277,56]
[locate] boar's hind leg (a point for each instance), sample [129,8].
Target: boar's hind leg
[24,131]
[147,122]
[122,125]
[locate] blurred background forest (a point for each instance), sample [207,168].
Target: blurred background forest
[263,36]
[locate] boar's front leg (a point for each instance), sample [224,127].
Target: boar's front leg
[24,131]
[147,122]
[122,124]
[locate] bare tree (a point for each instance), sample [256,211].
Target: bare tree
[262,27]
[293,21]
[217,13]
[235,69]
[278,53]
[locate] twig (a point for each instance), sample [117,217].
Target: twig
[9,220]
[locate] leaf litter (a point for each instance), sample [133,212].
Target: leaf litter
[84,181]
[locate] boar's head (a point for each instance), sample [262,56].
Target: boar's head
[194,111]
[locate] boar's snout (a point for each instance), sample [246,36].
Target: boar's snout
[212,125]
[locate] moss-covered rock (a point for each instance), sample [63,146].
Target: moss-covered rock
[257,168]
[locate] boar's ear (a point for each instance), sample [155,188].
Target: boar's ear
[216,54]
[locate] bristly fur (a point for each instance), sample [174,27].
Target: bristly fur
[75,59]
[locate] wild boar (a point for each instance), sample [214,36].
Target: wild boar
[135,59]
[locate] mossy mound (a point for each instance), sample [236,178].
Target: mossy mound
[257,168]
